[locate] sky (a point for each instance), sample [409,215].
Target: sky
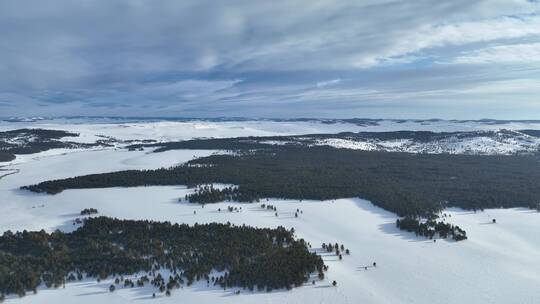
[458,59]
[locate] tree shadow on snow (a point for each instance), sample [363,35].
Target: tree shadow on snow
[369,207]
[71,215]
[390,228]
[92,293]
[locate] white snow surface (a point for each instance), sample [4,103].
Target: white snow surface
[497,264]
[479,145]
[91,131]
[173,130]
[163,131]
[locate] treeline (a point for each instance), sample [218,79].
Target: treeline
[406,184]
[208,194]
[39,134]
[29,141]
[431,228]
[89,211]
[6,156]
[240,143]
[105,247]
[266,142]
[534,133]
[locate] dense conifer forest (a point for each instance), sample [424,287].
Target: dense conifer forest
[245,257]
[431,228]
[406,184]
[535,133]
[6,156]
[89,211]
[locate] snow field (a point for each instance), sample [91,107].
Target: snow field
[498,264]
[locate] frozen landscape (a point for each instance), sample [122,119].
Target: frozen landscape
[459,137]
[195,151]
[498,263]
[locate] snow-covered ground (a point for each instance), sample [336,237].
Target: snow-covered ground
[178,130]
[504,141]
[175,130]
[498,264]
[498,142]
[90,132]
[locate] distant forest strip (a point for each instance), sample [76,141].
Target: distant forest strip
[29,141]
[105,247]
[406,184]
[263,142]
[535,133]
[6,156]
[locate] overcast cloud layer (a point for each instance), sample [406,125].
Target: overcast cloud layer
[382,59]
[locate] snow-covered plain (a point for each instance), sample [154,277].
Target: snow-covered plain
[181,130]
[500,142]
[132,129]
[122,132]
[497,264]
[163,131]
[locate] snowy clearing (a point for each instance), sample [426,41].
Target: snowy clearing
[409,269]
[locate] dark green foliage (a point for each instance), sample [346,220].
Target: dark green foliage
[103,247]
[89,211]
[534,133]
[35,140]
[431,228]
[207,194]
[40,134]
[407,184]
[241,143]
[6,156]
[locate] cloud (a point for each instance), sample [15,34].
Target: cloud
[240,57]
[325,83]
[522,53]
